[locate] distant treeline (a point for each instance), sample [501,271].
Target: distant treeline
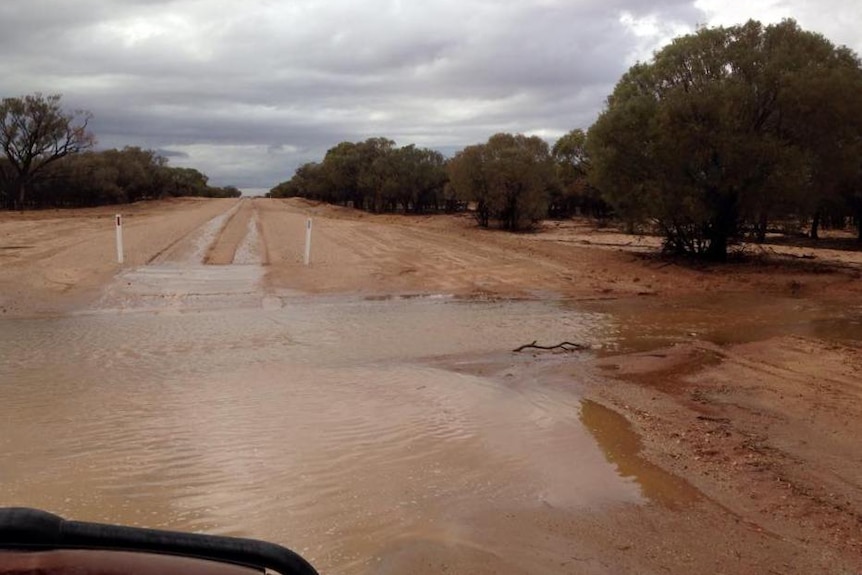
[512,181]
[373,175]
[45,162]
[118,177]
[727,134]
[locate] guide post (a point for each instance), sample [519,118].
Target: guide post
[308,241]
[119,239]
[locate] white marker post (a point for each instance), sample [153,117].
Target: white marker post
[308,241]
[119,239]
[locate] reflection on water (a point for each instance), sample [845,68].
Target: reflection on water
[318,424]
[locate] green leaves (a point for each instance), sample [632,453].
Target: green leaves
[726,128]
[508,179]
[372,175]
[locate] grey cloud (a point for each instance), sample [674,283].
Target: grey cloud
[171,154]
[246,92]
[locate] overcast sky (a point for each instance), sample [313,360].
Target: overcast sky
[246,91]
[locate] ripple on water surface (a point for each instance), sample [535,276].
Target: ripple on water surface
[317,425]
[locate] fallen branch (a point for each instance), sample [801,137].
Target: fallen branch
[565,346]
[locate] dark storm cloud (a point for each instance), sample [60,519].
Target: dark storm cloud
[247,91]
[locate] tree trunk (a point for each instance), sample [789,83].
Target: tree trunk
[815,226]
[482,215]
[761,228]
[717,250]
[722,227]
[19,193]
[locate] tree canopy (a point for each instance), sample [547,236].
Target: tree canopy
[373,175]
[509,179]
[574,194]
[727,128]
[119,177]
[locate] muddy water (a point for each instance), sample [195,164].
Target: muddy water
[643,324]
[319,424]
[623,446]
[193,400]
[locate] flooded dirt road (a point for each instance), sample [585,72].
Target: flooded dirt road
[190,398]
[368,411]
[317,425]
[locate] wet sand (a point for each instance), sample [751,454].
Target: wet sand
[729,395]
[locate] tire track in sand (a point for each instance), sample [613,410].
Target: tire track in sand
[196,271]
[191,248]
[223,250]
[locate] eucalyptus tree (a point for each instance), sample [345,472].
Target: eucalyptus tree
[412,178]
[373,175]
[468,180]
[726,128]
[508,179]
[574,193]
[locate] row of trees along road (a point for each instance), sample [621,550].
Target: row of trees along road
[374,175]
[512,180]
[46,162]
[723,134]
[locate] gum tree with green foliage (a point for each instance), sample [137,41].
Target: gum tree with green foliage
[373,175]
[728,128]
[408,179]
[118,177]
[469,182]
[348,166]
[508,179]
[574,194]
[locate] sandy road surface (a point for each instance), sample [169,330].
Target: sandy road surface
[758,415]
[240,224]
[357,252]
[56,260]
[384,255]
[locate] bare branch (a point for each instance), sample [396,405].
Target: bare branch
[34,133]
[565,346]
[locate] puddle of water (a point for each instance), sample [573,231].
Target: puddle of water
[647,324]
[622,447]
[315,424]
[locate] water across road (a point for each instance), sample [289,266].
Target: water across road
[351,428]
[319,424]
[190,399]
